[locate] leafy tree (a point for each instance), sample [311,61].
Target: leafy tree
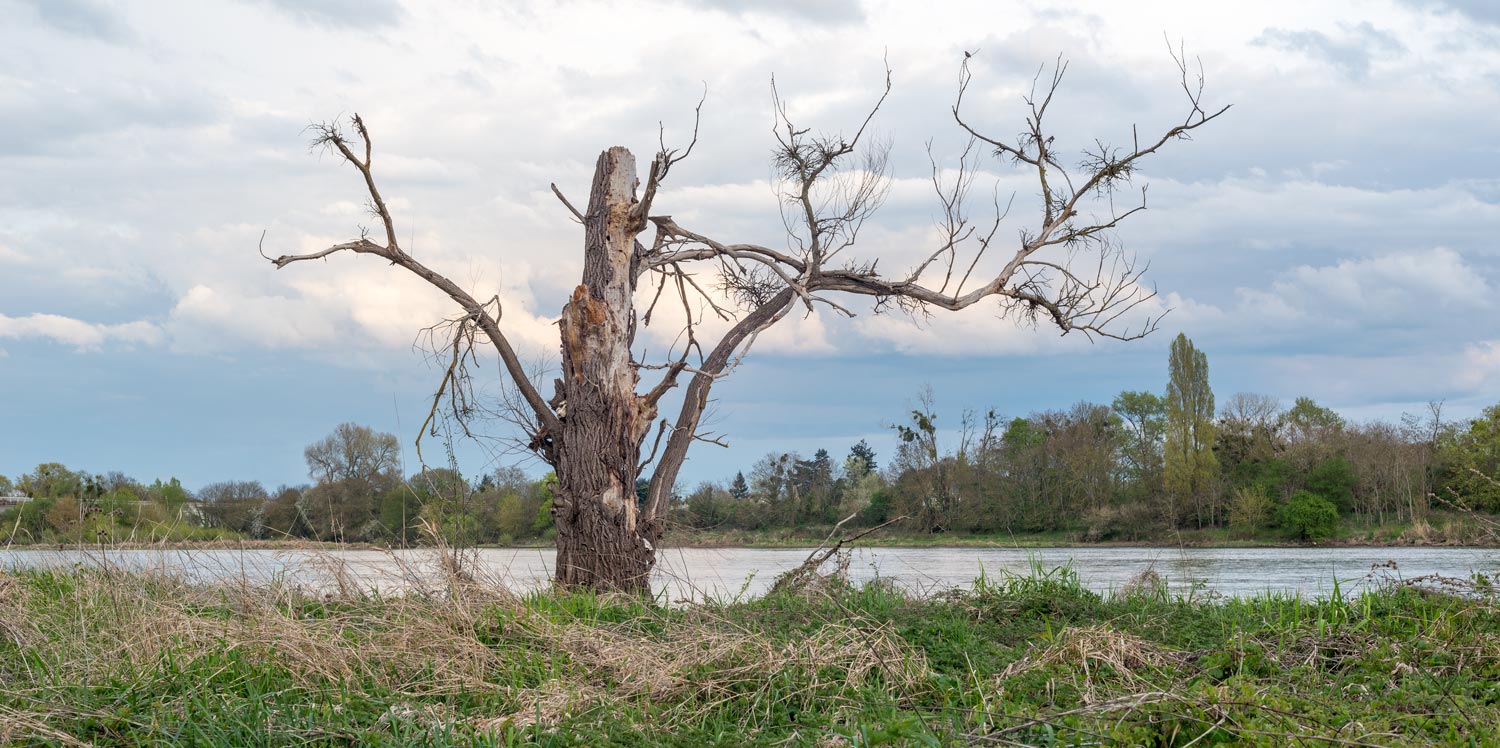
[355,467]
[1249,509]
[1033,476]
[171,495]
[925,473]
[1086,444]
[771,484]
[51,480]
[401,514]
[1145,419]
[861,459]
[705,506]
[1471,462]
[1273,477]
[1190,468]
[1334,480]
[859,493]
[514,518]
[879,508]
[444,483]
[1306,421]
[815,484]
[1309,516]
[1250,427]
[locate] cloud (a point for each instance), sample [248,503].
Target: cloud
[85,18]
[61,117]
[1479,367]
[84,336]
[1484,11]
[1352,54]
[10,256]
[980,330]
[1406,289]
[817,11]
[206,320]
[334,14]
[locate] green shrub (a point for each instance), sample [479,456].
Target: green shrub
[1309,516]
[1249,508]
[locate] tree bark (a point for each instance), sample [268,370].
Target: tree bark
[592,430]
[600,544]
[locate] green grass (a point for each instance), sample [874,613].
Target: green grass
[106,659]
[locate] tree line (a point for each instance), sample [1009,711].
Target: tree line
[1137,468]
[1140,467]
[358,494]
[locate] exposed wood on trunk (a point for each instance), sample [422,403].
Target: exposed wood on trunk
[1065,271]
[599,540]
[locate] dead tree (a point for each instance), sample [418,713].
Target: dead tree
[1064,270]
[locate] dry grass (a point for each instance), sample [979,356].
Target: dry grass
[1129,659]
[127,622]
[707,661]
[15,725]
[437,640]
[1146,583]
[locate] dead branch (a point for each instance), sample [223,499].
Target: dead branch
[808,569]
[330,135]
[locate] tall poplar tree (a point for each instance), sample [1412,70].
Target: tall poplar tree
[1190,466]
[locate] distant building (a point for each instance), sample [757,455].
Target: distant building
[13,498]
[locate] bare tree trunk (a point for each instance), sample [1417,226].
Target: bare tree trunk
[592,430]
[600,544]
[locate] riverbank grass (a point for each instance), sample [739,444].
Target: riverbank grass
[92,657]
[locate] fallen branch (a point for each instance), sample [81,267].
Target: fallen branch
[808,569]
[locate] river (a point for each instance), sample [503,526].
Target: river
[722,573]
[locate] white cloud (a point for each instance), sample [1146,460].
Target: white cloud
[10,256]
[979,330]
[1479,366]
[206,320]
[84,336]
[1404,287]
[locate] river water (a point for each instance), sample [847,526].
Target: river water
[723,573]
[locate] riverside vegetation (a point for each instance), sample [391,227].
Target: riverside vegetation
[104,658]
[1146,468]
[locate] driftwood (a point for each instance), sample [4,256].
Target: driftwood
[806,572]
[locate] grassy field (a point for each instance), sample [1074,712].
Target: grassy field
[110,659]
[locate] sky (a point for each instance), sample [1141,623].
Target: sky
[1332,236]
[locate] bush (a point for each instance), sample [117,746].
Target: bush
[1130,521]
[1249,509]
[1309,516]
[66,517]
